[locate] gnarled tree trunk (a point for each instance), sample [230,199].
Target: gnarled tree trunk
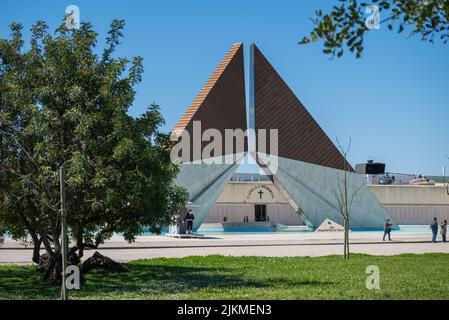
[50,266]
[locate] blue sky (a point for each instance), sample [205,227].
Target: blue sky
[394,102]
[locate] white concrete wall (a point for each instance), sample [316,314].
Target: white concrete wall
[418,215]
[407,204]
[411,205]
[410,194]
[278,213]
[239,199]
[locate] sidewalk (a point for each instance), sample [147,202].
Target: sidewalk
[263,244]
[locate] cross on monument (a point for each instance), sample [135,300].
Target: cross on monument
[260,194]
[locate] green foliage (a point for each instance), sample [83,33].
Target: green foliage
[344,26]
[61,104]
[218,277]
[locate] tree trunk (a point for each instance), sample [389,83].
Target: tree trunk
[347,244]
[346,239]
[100,261]
[36,249]
[50,266]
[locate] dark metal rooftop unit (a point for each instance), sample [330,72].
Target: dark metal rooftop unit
[370,167]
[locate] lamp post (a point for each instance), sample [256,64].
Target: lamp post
[64,247]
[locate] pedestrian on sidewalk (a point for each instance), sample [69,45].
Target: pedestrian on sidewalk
[189,220]
[443,227]
[434,227]
[387,230]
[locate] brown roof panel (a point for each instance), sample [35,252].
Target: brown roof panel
[277,107]
[221,103]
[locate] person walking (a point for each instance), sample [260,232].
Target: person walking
[189,220]
[387,230]
[443,227]
[434,227]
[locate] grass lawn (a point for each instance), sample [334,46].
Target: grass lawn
[217,277]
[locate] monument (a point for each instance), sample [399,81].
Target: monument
[307,163]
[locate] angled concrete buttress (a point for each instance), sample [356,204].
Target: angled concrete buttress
[205,183]
[315,189]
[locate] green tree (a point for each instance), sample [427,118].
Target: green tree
[345,25]
[61,103]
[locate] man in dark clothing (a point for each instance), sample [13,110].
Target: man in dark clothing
[189,220]
[434,227]
[387,230]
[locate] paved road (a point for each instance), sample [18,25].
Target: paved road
[240,246]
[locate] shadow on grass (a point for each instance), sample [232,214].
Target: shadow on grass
[24,282]
[151,281]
